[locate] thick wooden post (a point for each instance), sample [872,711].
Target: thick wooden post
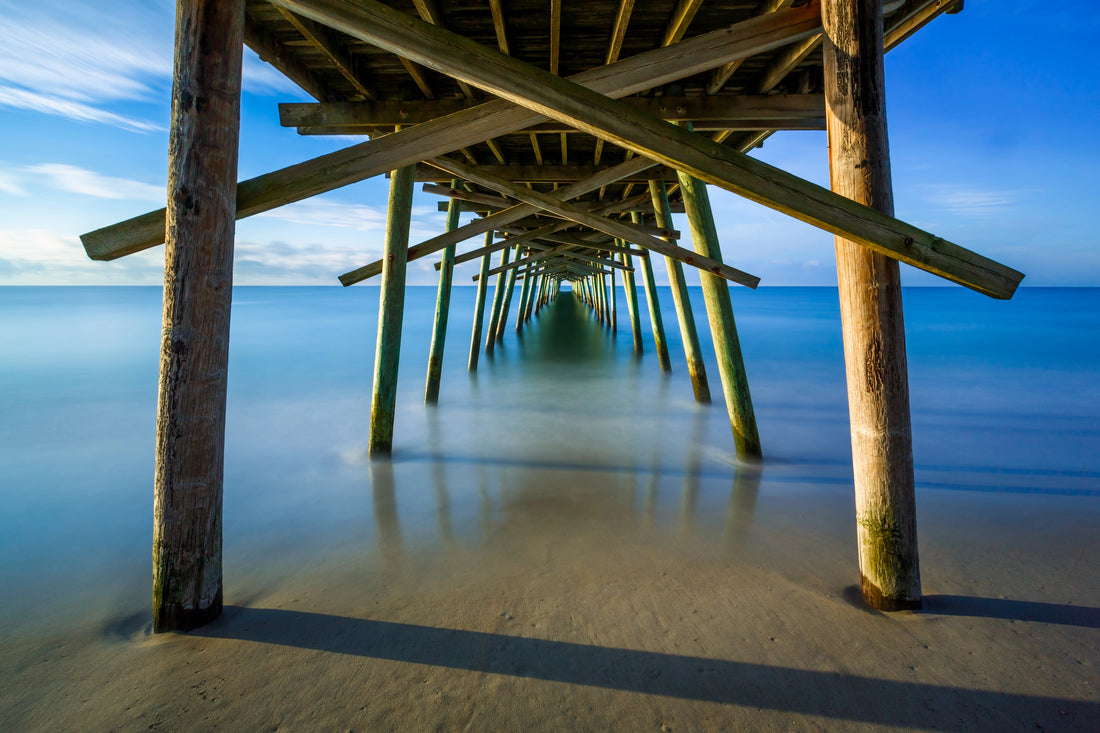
[391,309]
[723,328]
[198,282]
[498,302]
[871,310]
[654,306]
[632,302]
[694,353]
[442,306]
[479,306]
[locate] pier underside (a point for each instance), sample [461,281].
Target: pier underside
[574,131]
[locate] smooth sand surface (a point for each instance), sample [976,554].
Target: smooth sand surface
[570,599]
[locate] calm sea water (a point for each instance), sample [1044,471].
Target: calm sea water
[1006,402]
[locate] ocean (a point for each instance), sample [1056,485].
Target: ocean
[563,424]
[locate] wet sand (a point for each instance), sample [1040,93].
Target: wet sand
[586,600]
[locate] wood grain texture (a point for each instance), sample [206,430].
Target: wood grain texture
[871,311]
[198,284]
[443,135]
[654,307]
[606,118]
[682,300]
[391,312]
[479,307]
[442,309]
[723,327]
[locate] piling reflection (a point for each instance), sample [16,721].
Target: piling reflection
[742,505]
[384,495]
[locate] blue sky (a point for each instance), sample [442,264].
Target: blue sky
[993,117]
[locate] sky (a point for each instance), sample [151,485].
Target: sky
[993,117]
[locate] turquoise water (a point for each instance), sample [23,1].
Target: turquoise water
[1006,403]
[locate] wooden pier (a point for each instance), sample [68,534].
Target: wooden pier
[574,131]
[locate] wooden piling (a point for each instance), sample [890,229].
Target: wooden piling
[632,302]
[507,301]
[654,306]
[391,309]
[723,327]
[692,351]
[442,306]
[498,303]
[521,308]
[871,310]
[479,306]
[198,281]
[614,305]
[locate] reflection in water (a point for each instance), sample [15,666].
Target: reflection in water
[689,498]
[742,505]
[442,499]
[383,491]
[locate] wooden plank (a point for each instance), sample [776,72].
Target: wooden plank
[322,39]
[457,193]
[350,115]
[681,19]
[561,99]
[551,173]
[501,219]
[198,285]
[613,227]
[720,76]
[440,136]
[274,53]
[618,30]
[555,35]
[498,25]
[693,352]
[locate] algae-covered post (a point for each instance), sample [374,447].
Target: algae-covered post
[692,351]
[654,307]
[198,282]
[498,302]
[631,301]
[391,309]
[723,327]
[442,306]
[479,306]
[871,310]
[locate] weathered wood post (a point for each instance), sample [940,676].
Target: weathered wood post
[871,310]
[498,303]
[632,302]
[391,310]
[614,305]
[521,308]
[479,306]
[507,300]
[654,306]
[694,353]
[723,327]
[442,306]
[198,282]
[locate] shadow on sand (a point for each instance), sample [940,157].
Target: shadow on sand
[829,694]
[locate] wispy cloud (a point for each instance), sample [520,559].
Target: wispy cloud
[76,59]
[45,257]
[317,212]
[10,183]
[73,179]
[970,201]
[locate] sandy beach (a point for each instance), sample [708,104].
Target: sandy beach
[580,607]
